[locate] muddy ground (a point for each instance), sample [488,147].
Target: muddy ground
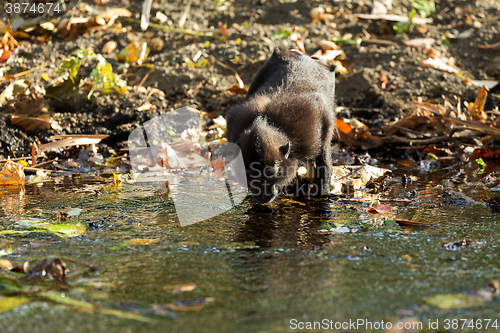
[256,23]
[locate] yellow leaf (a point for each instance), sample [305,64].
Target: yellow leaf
[12,173]
[117,178]
[141,241]
[8,303]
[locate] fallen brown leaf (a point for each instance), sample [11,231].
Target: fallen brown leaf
[358,138]
[409,223]
[26,104]
[53,268]
[346,178]
[8,42]
[222,29]
[43,122]
[69,29]
[379,209]
[237,90]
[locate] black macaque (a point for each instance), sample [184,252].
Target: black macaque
[287,119]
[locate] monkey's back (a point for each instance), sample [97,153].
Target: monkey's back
[291,73]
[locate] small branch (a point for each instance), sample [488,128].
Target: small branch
[236,75]
[15,76]
[397,139]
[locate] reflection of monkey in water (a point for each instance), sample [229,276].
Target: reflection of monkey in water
[287,119]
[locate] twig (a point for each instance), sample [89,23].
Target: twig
[17,159]
[145,77]
[44,163]
[34,170]
[179,31]
[15,76]
[397,139]
[236,75]
[479,127]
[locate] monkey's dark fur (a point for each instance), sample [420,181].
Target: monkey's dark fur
[287,119]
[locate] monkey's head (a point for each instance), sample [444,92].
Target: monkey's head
[269,160]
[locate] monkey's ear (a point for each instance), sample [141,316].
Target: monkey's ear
[285,150]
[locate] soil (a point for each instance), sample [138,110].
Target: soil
[360,91]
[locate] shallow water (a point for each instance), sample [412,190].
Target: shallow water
[256,268]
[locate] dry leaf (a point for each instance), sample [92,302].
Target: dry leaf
[222,29]
[327,56]
[12,173]
[108,17]
[391,17]
[298,39]
[218,164]
[53,268]
[27,104]
[237,90]
[77,141]
[409,223]
[171,160]
[356,138]
[71,28]
[43,122]
[379,209]
[476,110]
[327,45]
[156,92]
[439,64]
[346,178]
[146,106]
[74,136]
[317,14]
[380,7]
[409,122]
[109,47]
[5,264]
[420,43]
[180,288]
[8,42]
